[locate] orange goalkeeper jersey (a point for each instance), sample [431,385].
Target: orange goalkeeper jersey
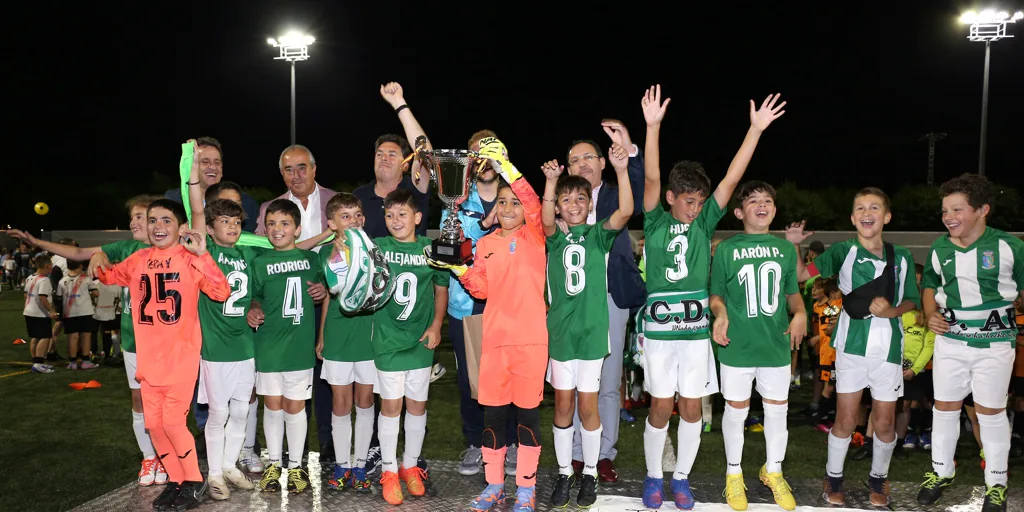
[508,271]
[165,285]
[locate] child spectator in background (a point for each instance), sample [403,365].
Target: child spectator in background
[76,291]
[38,313]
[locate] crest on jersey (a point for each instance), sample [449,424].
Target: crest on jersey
[367,285]
[988,260]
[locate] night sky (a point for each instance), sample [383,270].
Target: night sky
[109,93]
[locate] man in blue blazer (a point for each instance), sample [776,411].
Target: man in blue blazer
[625,287]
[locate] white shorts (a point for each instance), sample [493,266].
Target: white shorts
[411,384]
[131,364]
[583,376]
[772,382]
[221,382]
[683,366]
[343,373]
[295,385]
[856,373]
[959,369]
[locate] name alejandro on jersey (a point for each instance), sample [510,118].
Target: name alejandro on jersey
[287,266]
[406,260]
[756,252]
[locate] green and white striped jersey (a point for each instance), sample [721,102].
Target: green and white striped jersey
[975,286]
[876,338]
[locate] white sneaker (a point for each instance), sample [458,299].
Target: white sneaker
[217,488]
[238,479]
[161,474]
[251,461]
[147,475]
[437,371]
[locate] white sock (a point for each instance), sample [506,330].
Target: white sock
[141,436]
[363,434]
[837,449]
[415,431]
[995,437]
[688,438]
[563,449]
[881,455]
[250,426]
[945,434]
[776,436]
[296,426]
[214,432]
[273,433]
[654,447]
[387,433]
[234,432]
[341,433]
[705,408]
[591,441]
[732,433]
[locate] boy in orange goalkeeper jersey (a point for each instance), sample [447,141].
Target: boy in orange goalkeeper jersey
[168,278]
[509,271]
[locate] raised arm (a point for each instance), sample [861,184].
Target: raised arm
[795,234]
[493,150]
[618,133]
[117,274]
[392,93]
[205,271]
[195,193]
[68,251]
[654,112]
[759,121]
[547,210]
[619,157]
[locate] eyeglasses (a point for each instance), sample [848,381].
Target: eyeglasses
[589,157]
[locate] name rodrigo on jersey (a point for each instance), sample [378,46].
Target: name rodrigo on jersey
[405,260]
[759,251]
[287,266]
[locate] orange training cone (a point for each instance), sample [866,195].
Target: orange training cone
[19,341]
[77,386]
[93,384]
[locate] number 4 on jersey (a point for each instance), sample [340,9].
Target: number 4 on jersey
[292,307]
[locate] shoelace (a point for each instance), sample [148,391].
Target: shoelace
[996,494]
[779,484]
[148,466]
[389,478]
[735,491]
[295,477]
[931,479]
[417,472]
[271,474]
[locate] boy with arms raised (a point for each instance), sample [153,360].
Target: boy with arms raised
[970,281]
[406,330]
[578,319]
[347,354]
[753,280]
[284,361]
[168,278]
[677,352]
[878,286]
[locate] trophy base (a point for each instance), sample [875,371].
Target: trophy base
[458,253]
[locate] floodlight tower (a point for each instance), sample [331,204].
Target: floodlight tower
[932,138]
[987,26]
[294,47]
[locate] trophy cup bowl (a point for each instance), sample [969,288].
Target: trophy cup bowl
[452,170]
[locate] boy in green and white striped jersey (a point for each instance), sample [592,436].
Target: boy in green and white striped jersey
[878,284]
[971,278]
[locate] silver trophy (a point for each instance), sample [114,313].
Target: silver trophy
[452,170]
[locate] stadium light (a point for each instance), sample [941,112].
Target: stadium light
[294,46]
[987,26]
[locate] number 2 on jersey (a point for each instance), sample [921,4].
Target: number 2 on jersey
[292,306]
[405,294]
[763,288]
[239,283]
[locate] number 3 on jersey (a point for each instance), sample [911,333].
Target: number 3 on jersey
[680,243]
[292,307]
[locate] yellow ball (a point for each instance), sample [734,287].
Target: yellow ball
[42,208]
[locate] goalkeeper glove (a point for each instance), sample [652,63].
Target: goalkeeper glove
[493,150]
[457,269]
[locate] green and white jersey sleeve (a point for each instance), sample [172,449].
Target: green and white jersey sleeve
[226,333]
[975,286]
[753,274]
[678,259]
[577,281]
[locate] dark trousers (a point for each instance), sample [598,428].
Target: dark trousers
[323,397]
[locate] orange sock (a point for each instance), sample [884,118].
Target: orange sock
[494,465]
[526,466]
